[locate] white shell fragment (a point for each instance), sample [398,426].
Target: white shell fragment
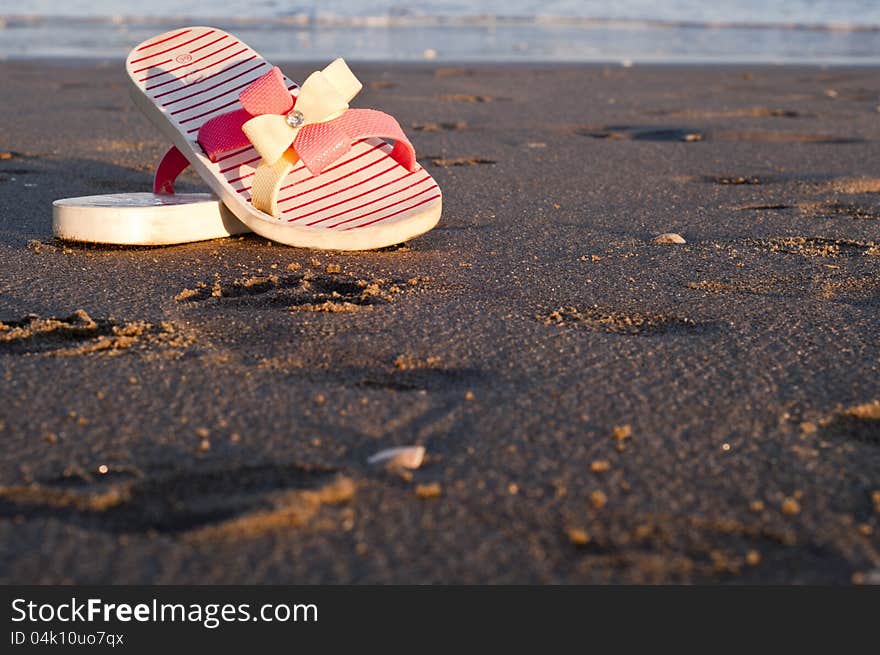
[408,457]
[669,237]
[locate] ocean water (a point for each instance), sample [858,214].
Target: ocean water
[773,31]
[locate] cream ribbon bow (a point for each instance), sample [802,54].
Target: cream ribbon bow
[322,97]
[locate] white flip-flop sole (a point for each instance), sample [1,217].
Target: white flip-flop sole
[143,219]
[366,200]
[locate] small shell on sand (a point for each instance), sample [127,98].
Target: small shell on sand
[669,237]
[408,457]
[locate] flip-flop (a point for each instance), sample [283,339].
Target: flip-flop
[294,164]
[146,219]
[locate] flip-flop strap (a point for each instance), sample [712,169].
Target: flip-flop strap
[172,164]
[315,126]
[267,182]
[322,144]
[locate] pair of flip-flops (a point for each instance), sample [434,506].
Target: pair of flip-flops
[292,163]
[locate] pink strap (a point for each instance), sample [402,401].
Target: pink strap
[268,95]
[317,144]
[173,163]
[321,144]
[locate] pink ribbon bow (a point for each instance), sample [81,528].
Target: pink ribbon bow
[317,144]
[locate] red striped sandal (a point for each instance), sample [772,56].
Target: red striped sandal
[294,164]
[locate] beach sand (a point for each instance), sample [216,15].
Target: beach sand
[595,406]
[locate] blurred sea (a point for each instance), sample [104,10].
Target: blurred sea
[772,31]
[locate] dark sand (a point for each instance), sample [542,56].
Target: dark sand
[596,407]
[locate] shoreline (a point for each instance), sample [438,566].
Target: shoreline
[521,43]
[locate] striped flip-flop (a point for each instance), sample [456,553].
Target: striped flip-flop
[160,218]
[294,164]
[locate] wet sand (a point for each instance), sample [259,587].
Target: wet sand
[596,407]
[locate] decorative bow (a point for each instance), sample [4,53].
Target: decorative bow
[277,125]
[316,123]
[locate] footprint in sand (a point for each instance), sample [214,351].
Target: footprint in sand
[809,209]
[80,334]
[303,292]
[693,135]
[856,423]
[829,285]
[815,246]
[812,185]
[642,133]
[849,210]
[844,185]
[225,502]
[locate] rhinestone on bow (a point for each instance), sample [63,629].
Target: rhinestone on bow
[295,118]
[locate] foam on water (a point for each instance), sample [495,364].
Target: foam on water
[556,30]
